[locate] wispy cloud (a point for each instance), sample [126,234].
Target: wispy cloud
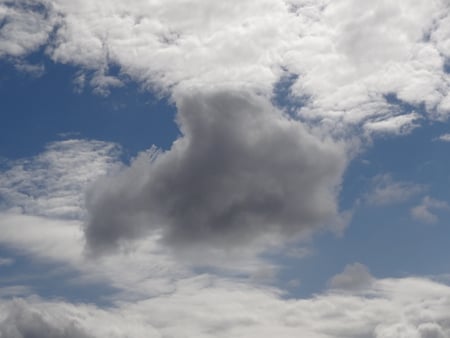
[6,261]
[387,191]
[425,211]
[53,182]
[444,137]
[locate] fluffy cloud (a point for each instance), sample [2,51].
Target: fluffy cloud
[205,306]
[161,289]
[21,322]
[355,277]
[241,171]
[26,26]
[347,55]
[42,213]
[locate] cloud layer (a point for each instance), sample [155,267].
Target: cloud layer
[348,56]
[205,306]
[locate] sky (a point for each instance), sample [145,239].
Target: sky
[253,168]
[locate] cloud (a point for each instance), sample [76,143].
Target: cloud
[355,277]
[156,289]
[21,322]
[6,261]
[52,183]
[347,56]
[44,238]
[33,70]
[387,191]
[240,172]
[205,306]
[424,211]
[401,125]
[25,26]
[338,53]
[42,216]
[444,137]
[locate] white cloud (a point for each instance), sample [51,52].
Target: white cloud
[52,183]
[159,296]
[401,125]
[26,26]
[387,191]
[205,306]
[424,212]
[41,237]
[445,137]
[350,58]
[349,55]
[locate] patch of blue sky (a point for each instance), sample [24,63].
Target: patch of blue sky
[38,110]
[283,98]
[447,66]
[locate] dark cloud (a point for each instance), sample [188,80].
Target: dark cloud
[24,322]
[240,171]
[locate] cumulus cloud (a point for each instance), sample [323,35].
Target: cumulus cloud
[206,306]
[425,212]
[25,26]
[387,191]
[22,322]
[355,277]
[42,217]
[240,171]
[242,174]
[347,55]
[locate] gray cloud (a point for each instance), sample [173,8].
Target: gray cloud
[240,171]
[23,322]
[355,277]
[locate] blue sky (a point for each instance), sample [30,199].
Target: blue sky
[242,169]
